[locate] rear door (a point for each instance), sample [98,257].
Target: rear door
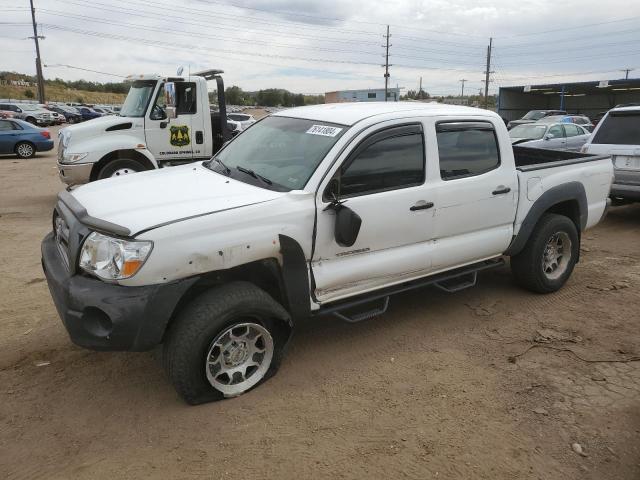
[575,137]
[476,193]
[8,136]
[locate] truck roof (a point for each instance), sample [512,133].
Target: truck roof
[351,113]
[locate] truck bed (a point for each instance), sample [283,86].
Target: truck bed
[528,159]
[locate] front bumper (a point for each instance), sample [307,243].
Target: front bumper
[75,174]
[107,316]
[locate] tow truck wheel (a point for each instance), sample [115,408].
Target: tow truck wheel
[548,258]
[120,167]
[225,342]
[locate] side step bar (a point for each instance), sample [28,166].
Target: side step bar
[450,282]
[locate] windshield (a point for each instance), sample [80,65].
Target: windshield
[532,132]
[135,105]
[619,128]
[285,151]
[29,108]
[534,115]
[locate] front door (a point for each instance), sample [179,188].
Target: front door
[382,180]
[181,138]
[557,140]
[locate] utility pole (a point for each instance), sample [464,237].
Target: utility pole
[626,72]
[36,37]
[486,74]
[420,91]
[462,82]
[386,65]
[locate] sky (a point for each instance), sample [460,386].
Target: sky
[312,46]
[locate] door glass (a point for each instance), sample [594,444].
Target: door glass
[556,131]
[392,163]
[186,97]
[466,151]
[622,128]
[4,126]
[158,112]
[571,130]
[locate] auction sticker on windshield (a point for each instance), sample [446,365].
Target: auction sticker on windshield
[324,130]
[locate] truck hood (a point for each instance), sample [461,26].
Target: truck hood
[99,125]
[147,200]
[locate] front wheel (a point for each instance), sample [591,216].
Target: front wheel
[225,342]
[120,167]
[25,150]
[548,258]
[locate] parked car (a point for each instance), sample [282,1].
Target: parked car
[56,118]
[319,210]
[87,113]
[70,114]
[102,110]
[243,119]
[29,112]
[618,135]
[23,138]
[551,135]
[534,116]
[7,114]
[598,118]
[581,120]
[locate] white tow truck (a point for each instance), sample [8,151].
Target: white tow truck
[323,210]
[145,135]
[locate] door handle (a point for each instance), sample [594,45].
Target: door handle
[501,190]
[421,206]
[163,124]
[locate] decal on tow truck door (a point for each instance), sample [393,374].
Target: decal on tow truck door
[179,135]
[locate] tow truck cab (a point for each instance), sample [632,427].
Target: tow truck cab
[143,136]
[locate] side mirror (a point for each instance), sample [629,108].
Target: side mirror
[549,136]
[170,100]
[347,227]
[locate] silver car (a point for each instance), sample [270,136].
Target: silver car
[553,136]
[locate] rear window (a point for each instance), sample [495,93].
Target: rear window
[619,128]
[466,149]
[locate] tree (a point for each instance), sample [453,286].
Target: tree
[29,93]
[271,97]
[298,100]
[234,95]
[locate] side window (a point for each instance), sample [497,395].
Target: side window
[186,97]
[466,149]
[571,130]
[158,111]
[15,126]
[388,164]
[556,131]
[5,125]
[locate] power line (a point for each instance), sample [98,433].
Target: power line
[592,36]
[579,27]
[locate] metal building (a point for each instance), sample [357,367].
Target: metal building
[371,95]
[588,98]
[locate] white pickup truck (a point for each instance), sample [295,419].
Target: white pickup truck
[313,211]
[143,136]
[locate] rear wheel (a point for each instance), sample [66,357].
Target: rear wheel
[225,342]
[120,167]
[25,150]
[548,258]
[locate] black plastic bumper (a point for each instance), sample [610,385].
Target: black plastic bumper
[106,316]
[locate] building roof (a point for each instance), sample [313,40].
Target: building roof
[579,88]
[351,113]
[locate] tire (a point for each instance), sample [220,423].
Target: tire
[121,166]
[31,120]
[193,356]
[25,150]
[554,241]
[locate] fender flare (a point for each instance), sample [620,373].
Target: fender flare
[566,192]
[295,278]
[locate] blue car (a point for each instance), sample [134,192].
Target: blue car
[87,113]
[23,139]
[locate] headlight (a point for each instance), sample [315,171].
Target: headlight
[113,258]
[74,157]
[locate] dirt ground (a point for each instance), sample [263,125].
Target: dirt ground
[425,391]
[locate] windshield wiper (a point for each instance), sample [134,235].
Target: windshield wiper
[254,175]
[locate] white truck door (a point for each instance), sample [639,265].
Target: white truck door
[382,179]
[476,193]
[181,138]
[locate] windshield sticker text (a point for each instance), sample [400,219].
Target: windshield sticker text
[324,130]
